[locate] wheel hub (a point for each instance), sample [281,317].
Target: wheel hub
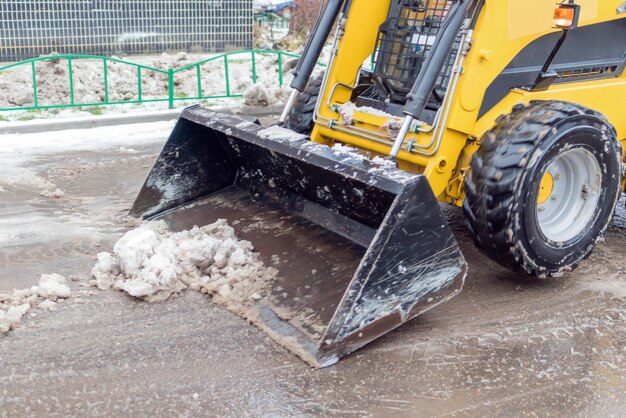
[568,194]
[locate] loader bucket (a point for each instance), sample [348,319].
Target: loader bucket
[362,250]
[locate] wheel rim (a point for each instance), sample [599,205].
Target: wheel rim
[569,194]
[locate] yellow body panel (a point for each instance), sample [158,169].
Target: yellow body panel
[502,31]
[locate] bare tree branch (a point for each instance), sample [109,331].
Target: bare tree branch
[303,16]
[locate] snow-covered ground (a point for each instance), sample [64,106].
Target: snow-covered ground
[19,153]
[504,346]
[25,171]
[32,145]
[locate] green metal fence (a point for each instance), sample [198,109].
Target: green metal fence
[141,70]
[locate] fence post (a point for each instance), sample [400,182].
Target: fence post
[139,90]
[71,74]
[199,76]
[170,87]
[227,75]
[35,98]
[280,69]
[253,68]
[106,80]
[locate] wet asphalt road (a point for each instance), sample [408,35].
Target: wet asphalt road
[506,346]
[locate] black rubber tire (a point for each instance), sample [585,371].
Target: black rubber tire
[300,118]
[502,187]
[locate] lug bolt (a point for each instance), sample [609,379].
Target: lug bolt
[540,209]
[554,197]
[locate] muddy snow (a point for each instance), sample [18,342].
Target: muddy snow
[505,345]
[152,263]
[14,306]
[20,153]
[16,176]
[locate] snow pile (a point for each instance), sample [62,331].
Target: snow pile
[53,287]
[266,91]
[260,95]
[14,306]
[153,263]
[53,87]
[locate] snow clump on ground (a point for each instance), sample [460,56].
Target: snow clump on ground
[14,306]
[152,263]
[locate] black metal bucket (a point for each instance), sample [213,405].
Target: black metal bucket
[363,249]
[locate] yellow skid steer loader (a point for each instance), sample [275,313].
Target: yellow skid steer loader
[513,109]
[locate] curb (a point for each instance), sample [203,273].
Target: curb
[39,126]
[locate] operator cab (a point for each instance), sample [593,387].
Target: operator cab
[405,40]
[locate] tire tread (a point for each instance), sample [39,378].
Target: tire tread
[495,170]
